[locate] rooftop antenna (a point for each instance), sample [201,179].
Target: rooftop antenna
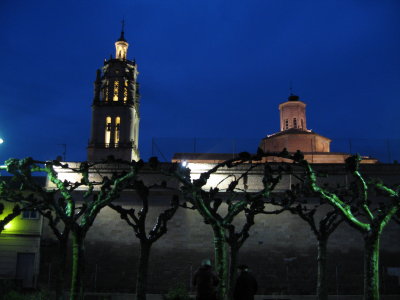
[122,38]
[123,24]
[291,87]
[64,156]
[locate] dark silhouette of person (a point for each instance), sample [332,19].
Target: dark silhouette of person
[246,285]
[205,281]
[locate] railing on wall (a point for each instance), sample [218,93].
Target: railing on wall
[385,150]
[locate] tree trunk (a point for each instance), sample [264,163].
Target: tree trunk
[221,260]
[371,266]
[141,283]
[234,251]
[61,265]
[322,283]
[78,265]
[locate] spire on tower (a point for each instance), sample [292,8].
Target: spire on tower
[121,46]
[122,38]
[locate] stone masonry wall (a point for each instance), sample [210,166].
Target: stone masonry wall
[281,250]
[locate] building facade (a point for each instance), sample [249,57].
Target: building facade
[20,247]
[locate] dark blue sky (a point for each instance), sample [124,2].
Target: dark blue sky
[208,69]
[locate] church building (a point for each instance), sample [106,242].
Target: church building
[293,136]
[115,108]
[281,244]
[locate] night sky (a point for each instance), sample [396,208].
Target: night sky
[209,69]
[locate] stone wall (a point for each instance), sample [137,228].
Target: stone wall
[281,250]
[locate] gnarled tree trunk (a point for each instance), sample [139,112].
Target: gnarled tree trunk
[78,264]
[141,283]
[234,251]
[371,266]
[221,260]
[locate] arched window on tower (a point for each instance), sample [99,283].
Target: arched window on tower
[294,122]
[286,124]
[126,91]
[105,92]
[116,88]
[117,130]
[107,138]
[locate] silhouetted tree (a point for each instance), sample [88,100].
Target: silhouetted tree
[373,221]
[137,221]
[236,239]
[207,203]
[60,204]
[322,230]
[33,195]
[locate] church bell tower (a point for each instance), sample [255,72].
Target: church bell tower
[115,108]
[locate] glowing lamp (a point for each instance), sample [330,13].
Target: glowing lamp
[1,141]
[7,226]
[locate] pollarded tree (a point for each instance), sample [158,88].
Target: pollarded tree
[33,196]
[137,221]
[62,206]
[322,230]
[207,203]
[236,238]
[373,222]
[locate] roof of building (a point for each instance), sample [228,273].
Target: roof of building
[293,97]
[313,157]
[294,131]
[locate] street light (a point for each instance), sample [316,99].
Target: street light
[1,141]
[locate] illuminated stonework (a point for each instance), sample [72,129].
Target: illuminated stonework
[126,91]
[294,134]
[108,132]
[116,90]
[121,50]
[117,128]
[293,114]
[115,109]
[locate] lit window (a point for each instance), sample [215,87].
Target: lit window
[30,214]
[108,132]
[116,85]
[126,91]
[294,123]
[117,127]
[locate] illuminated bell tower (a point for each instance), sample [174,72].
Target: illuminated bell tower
[293,114]
[115,108]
